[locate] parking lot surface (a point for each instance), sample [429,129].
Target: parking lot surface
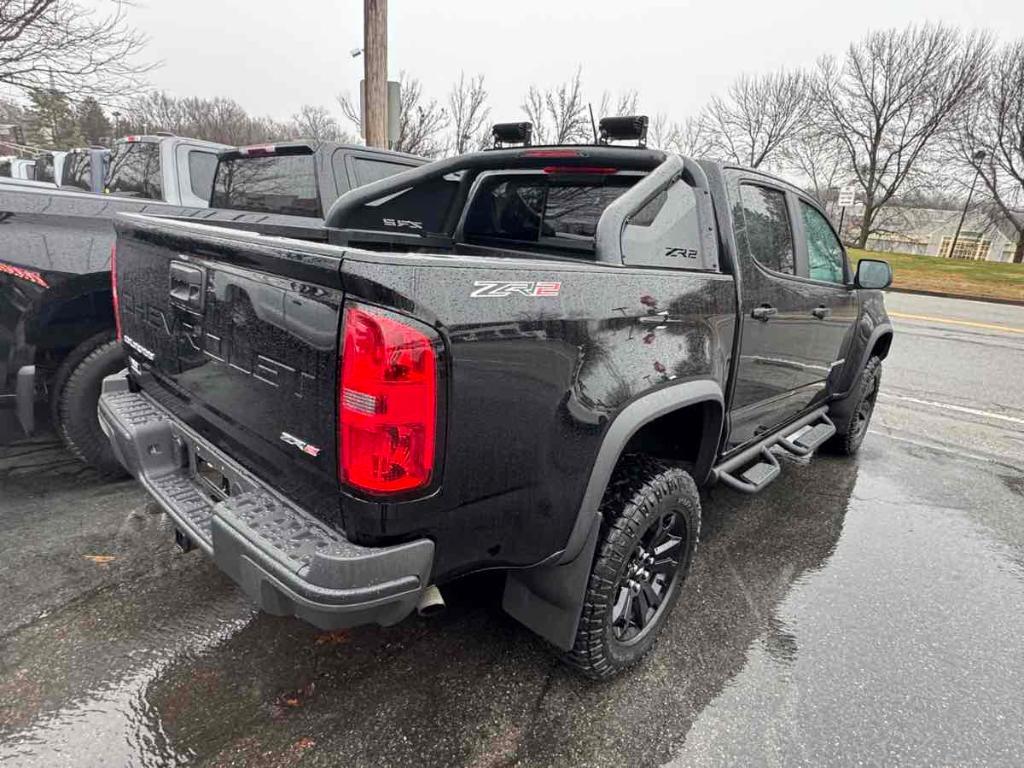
[858,611]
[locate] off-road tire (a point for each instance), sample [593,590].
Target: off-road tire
[855,411]
[75,397]
[642,492]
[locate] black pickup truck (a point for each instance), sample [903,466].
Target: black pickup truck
[525,359]
[56,316]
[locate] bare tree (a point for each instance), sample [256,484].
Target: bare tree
[216,119]
[757,117]
[318,124]
[990,140]
[467,102]
[625,103]
[61,45]
[694,139]
[890,96]
[559,115]
[662,133]
[817,157]
[421,122]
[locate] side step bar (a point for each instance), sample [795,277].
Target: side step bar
[800,438]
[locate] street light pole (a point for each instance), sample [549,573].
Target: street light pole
[977,157]
[375,63]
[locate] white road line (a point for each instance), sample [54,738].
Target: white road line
[951,407]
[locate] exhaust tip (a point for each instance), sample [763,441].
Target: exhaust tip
[431,602]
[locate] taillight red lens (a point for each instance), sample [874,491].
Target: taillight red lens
[113,289]
[387,409]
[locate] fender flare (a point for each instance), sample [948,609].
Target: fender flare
[850,379]
[548,599]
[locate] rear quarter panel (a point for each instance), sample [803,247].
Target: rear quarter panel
[535,381]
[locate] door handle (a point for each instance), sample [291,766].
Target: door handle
[661,318]
[763,312]
[821,312]
[187,286]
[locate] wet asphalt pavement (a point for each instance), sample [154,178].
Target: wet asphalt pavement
[866,611]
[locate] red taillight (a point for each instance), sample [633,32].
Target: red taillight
[113,289]
[387,409]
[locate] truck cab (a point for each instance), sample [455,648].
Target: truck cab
[172,169]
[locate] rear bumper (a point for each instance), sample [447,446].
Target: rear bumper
[286,560]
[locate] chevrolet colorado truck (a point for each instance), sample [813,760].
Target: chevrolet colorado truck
[527,359]
[56,315]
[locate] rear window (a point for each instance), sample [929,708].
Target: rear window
[283,184]
[538,209]
[77,171]
[134,170]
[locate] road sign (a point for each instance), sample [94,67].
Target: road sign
[847,197]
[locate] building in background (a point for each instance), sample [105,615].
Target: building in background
[930,232]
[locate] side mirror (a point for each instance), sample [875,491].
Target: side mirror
[873,274]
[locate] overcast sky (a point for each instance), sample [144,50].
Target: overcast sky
[274,57]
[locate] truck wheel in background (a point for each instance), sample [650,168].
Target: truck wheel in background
[76,394]
[852,414]
[651,524]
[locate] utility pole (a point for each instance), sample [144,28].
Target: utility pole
[375,62]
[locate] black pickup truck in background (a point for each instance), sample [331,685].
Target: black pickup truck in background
[527,359]
[56,316]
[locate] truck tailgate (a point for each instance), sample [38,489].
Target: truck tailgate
[239,333]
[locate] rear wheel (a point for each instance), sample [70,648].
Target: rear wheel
[651,526]
[855,411]
[76,394]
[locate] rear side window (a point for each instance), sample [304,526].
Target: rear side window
[77,171]
[284,184]
[536,209]
[134,170]
[824,253]
[762,228]
[201,168]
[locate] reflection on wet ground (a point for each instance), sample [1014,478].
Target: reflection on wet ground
[858,611]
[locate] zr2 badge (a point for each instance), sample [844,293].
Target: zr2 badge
[493,289]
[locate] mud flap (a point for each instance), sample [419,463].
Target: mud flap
[549,599]
[25,398]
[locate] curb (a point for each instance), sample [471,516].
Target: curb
[965,297]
